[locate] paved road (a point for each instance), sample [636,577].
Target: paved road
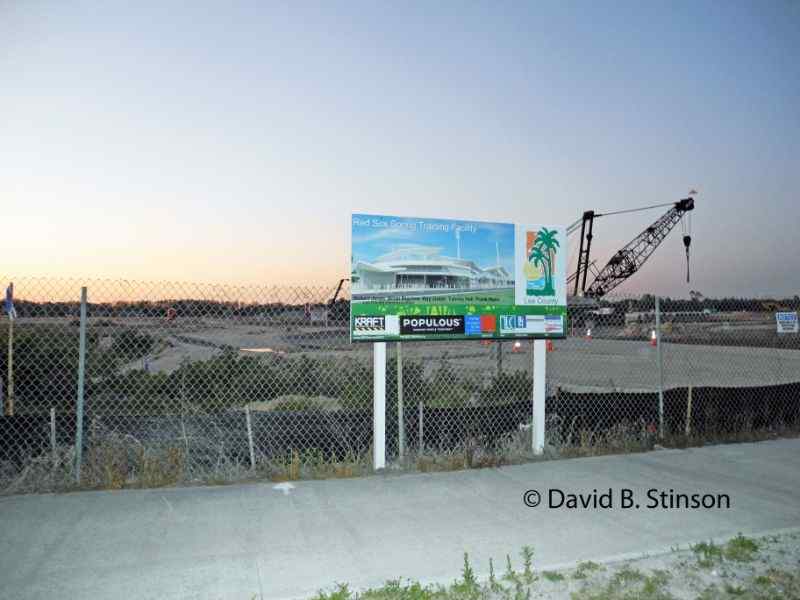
[255,541]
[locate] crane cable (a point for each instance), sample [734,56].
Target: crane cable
[574,226]
[630,210]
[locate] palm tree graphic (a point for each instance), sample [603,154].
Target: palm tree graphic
[542,255]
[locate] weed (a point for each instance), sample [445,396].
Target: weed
[707,554]
[584,568]
[654,583]
[734,590]
[527,559]
[342,592]
[509,575]
[741,549]
[626,575]
[467,574]
[396,590]
[553,576]
[493,585]
[629,584]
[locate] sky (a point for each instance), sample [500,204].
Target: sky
[231,142]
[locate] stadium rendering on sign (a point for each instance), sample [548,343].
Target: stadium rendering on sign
[415,267]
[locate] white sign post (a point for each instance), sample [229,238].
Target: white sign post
[379,405]
[539,394]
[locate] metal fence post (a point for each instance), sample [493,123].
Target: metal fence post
[250,437]
[81,378]
[53,434]
[379,405]
[659,358]
[499,358]
[401,425]
[10,399]
[421,426]
[539,395]
[688,430]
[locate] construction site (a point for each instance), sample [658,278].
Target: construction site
[246,377]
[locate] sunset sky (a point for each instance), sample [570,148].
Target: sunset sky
[230,142]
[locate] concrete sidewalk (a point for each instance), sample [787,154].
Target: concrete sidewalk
[252,540]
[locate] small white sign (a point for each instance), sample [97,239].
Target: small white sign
[786,322]
[552,324]
[393,324]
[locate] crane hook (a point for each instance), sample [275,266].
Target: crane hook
[687,241]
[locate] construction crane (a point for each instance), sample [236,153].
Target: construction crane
[629,259]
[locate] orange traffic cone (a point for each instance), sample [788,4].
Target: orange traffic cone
[653,339]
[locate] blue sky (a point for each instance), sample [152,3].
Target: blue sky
[374,235]
[230,142]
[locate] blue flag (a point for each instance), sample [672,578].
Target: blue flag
[9,302]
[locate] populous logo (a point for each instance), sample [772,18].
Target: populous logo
[432,325]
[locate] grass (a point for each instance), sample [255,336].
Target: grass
[630,580]
[585,568]
[739,549]
[626,575]
[623,438]
[707,554]
[629,584]
[775,584]
[314,464]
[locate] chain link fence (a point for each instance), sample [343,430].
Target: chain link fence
[189,383]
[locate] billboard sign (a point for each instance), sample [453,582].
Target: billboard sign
[786,322]
[439,279]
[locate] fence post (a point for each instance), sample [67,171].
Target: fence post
[499,358]
[53,433]
[81,377]
[10,400]
[689,410]
[539,395]
[660,371]
[401,436]
[250,437]
[421,426]
[379,405]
